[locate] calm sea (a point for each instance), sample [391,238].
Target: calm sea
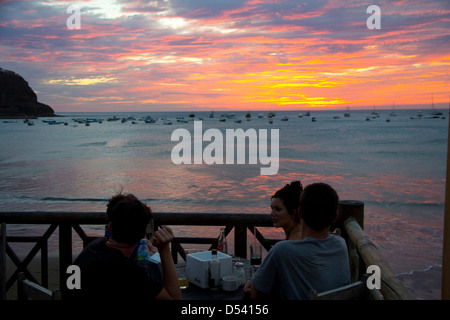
[396,168]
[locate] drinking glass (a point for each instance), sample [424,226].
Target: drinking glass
[255,254]
[182,277]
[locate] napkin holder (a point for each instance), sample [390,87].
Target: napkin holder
[198,266]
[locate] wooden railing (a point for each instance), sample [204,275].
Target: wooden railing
[351,221]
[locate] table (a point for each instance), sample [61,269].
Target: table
[196,293]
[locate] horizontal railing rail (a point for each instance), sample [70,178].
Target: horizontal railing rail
[66,222]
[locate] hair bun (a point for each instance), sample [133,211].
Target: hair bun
[296,185]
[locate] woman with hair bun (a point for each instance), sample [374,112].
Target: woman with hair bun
[284,210]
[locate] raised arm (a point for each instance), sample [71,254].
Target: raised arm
[171,287]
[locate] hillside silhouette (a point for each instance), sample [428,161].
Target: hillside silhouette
[18,100]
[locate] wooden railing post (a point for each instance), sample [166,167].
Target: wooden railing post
[65,251]
[445,286]
[240,241]
[3,261]
[350,209]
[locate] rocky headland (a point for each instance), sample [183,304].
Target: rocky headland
[18,100]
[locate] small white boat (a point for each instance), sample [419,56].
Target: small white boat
[238,121]
[149,119]
[167,122]
[285,118]
[347,113]
[313,119]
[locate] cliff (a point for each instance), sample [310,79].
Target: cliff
[18,100]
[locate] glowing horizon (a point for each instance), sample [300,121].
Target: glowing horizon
[168,55]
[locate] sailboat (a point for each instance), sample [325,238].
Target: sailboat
[443,117]
[393,114]
[434,112]
[374,114]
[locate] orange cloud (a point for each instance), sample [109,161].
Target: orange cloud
[250,54]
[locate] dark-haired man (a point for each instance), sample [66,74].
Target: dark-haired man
[108,269]
[319,261]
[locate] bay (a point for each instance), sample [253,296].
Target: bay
[396,168]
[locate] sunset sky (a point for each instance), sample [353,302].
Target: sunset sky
[168,55]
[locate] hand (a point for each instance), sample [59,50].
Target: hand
[151,248]
[162,237]
[248,286]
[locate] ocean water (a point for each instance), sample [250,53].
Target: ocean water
[396,168]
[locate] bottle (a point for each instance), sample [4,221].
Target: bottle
[214,271]
[107,233]
[222,242]
[143,253]
[239,271]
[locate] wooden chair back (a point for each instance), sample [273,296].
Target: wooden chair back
[355,291]
[31,290]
